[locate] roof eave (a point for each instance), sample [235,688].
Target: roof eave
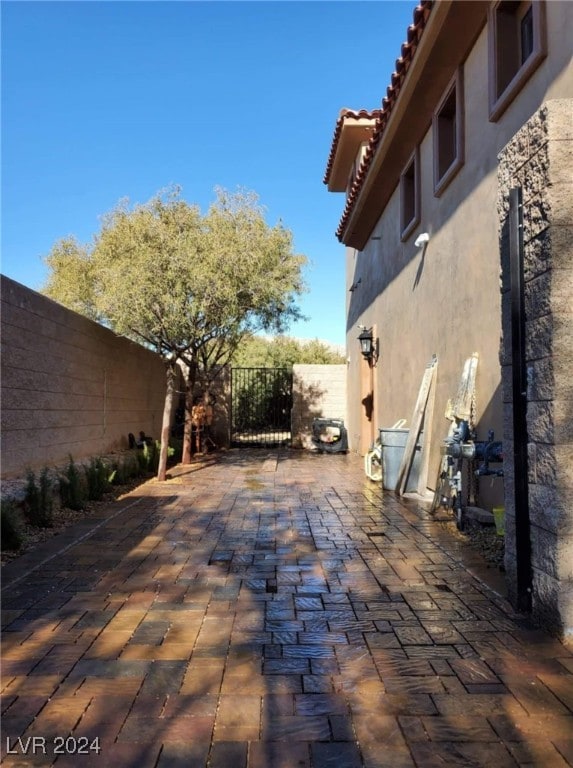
[405,120]
[353,133]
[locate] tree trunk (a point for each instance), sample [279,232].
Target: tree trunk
[171,371]
[188,429]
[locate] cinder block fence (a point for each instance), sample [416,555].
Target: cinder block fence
[319,391]
[69,385]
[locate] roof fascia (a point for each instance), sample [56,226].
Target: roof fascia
[450,33]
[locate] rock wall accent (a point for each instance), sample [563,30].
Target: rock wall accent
[539,159]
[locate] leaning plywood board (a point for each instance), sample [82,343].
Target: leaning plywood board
[459,409]
[416,425]
[426,427]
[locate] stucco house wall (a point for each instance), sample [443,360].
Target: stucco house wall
[69,385]
[445,298]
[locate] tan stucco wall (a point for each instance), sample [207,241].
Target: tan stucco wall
[445,300]
[69,386]
[319,391]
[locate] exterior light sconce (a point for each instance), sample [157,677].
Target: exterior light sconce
[368,345]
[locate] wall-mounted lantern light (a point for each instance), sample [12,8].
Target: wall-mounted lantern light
[367,344]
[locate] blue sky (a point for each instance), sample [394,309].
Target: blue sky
[106,100]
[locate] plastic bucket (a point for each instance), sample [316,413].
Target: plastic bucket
[499,517]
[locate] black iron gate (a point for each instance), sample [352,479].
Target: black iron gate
[261,402]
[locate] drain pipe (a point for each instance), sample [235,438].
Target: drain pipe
[519,399]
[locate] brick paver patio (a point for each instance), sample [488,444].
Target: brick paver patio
[263,610]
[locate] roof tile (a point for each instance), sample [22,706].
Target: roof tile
[420,16]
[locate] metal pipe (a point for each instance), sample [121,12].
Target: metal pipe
[519,399]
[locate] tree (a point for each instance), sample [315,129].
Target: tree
[187,285]
[284,352]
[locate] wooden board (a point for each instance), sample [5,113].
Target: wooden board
[416,425]
[427,443]
[462,405]
[458,409]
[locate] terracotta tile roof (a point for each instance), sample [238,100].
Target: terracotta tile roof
[420,17]
[342,116]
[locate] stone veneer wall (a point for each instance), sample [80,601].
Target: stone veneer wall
[539,159]
[319,391]
[69,385]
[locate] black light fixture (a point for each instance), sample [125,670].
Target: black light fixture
[366,340]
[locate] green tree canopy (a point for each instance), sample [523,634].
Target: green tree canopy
[188,285]
[283,352]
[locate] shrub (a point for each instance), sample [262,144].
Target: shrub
[130,466]
[46,499]
[39,502]
[32,497]
[115,474]
[151,452]
[71,491]
[124,469]
[97,478]
[176,449]
[11,526]
[141,459]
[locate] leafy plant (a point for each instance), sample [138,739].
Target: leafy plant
[39,500]
[71,491]
[97,477]
[46,499]
[142,462]
[131,466]
[32,497]
[11,526]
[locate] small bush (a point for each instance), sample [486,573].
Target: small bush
[152,455]
[123,470]
[176,449]
[115,474]
[39,501]
[32,497]
[141,459]
[97,478]
[46,499]
[11,526]
[71,491]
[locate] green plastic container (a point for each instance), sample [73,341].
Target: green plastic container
[499,517]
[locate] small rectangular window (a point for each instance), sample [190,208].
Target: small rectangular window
[526,35]
[448,131]
[410,196]
[517,46]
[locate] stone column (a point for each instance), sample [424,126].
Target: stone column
[539,159]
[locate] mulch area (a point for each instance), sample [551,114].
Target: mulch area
[482,538]
[63,518]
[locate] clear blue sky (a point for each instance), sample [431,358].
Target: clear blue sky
[106,100]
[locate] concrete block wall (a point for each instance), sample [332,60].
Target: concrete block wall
[69,385]
[319,391]
[539,159]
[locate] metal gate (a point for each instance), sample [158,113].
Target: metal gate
[261,403]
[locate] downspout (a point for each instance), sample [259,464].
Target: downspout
[104,414]
[519,400]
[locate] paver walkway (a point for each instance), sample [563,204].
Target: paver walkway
[270,610]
